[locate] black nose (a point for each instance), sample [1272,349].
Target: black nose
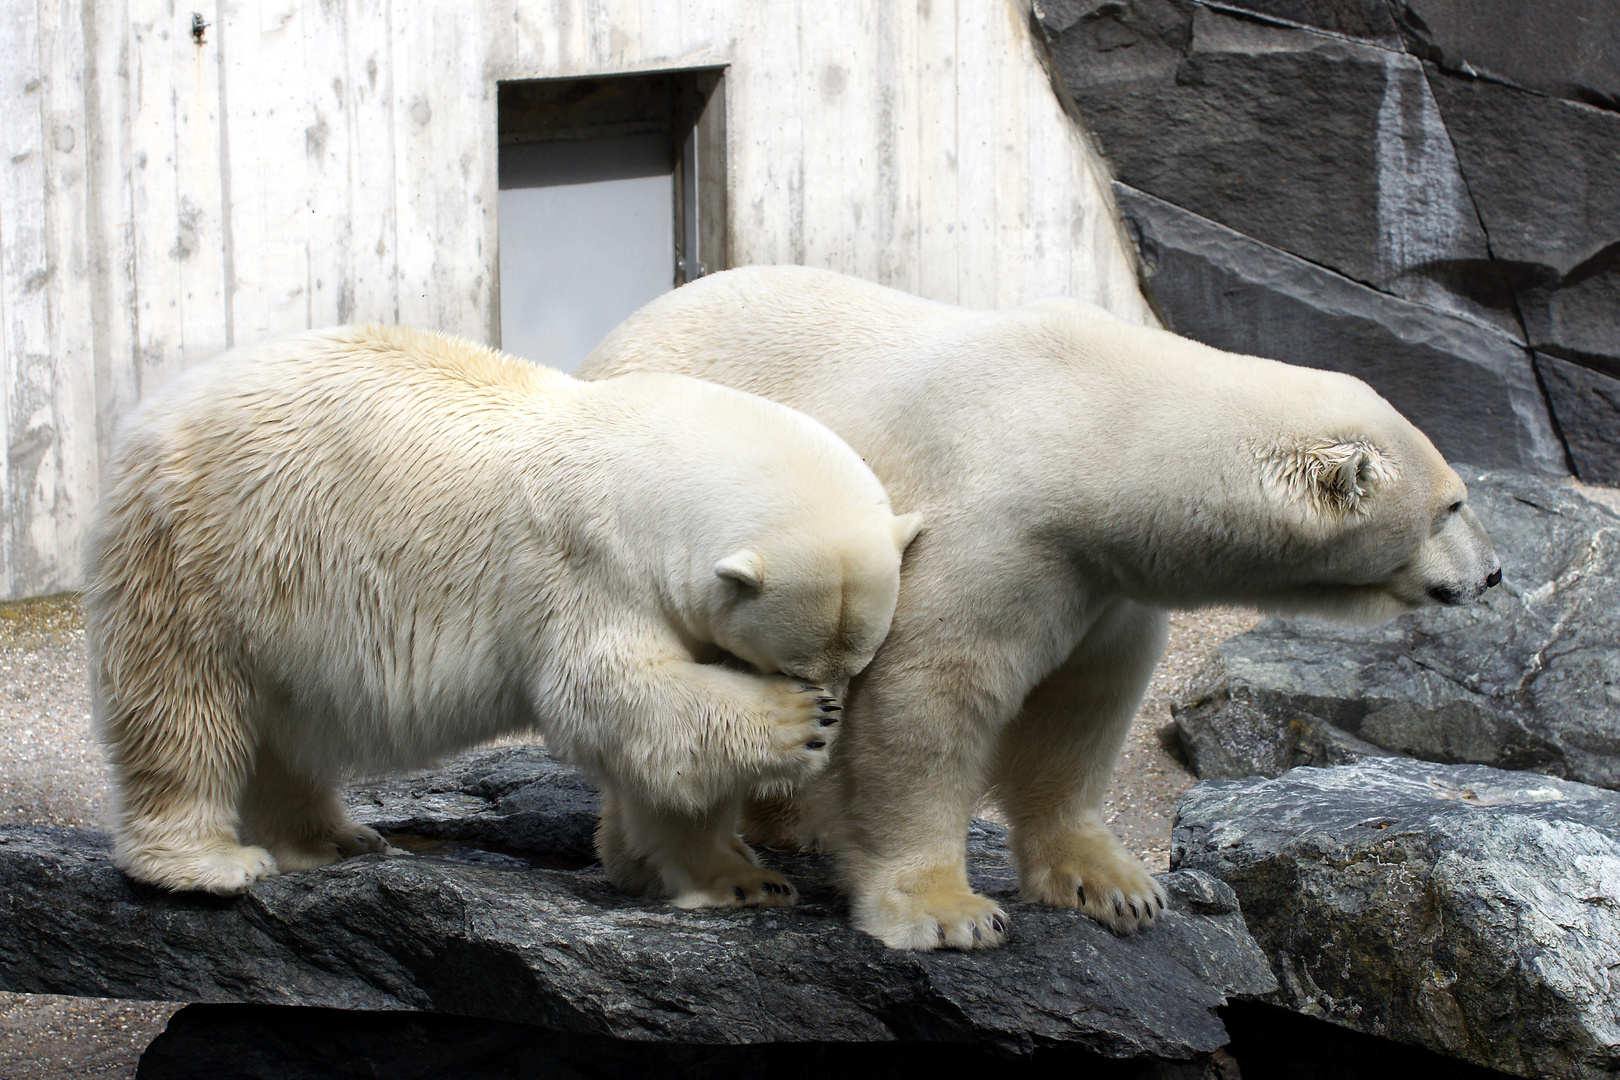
[1495,578]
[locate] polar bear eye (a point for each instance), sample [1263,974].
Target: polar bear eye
[1456,506]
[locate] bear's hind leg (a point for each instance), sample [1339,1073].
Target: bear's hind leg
[696,860]
[298,818]
[180,762]
[1053,767]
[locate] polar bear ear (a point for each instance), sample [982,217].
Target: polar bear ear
[1345,473]
[906,528]
[745,567]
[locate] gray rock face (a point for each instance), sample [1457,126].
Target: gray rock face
[1527,679]
[1545,175]
[1227,290]
[1566,48]
[1368,20]
[515,936]
[1467,910]
[1394,145]
[1587,406]
[1328,149]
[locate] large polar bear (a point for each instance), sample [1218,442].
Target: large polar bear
[365,548]
[1079,475]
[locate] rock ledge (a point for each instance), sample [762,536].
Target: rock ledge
[474,924]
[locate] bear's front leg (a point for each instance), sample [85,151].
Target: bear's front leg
[895,809]
[687,736]
[1053,766]
[695,860]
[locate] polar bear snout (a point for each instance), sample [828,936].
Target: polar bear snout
[1456,564]
[1452,596]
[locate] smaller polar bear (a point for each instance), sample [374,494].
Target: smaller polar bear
[366,548]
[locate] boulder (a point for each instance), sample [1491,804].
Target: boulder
[485,929]
[279,1042]
[1527,679]
[282,1042]
[1463,909]
[1228,290]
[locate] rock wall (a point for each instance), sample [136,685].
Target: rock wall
[1425,194]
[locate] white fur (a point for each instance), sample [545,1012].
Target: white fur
[1080,475]
[366,548]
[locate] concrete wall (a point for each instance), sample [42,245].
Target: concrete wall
[312,162]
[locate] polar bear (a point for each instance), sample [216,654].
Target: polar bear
[1080,476]
[365,548]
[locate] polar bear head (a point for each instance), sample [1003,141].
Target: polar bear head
[1386,520]
[812,603]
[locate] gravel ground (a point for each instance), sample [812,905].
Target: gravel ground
[51,771]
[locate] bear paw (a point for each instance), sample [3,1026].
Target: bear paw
[340,842]
[938,918]
[1099,877]
[802,721]
[356,839]
[740,884]
[224,871]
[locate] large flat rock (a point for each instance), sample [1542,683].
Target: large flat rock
[1464,909]
[482,928]
[1229,290]
[1527,679]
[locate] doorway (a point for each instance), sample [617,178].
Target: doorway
[612,191]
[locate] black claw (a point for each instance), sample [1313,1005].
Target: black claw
[830,708]
[1119,909]
[828,721]
[739,891]
[976,935]
[814,744]
[1082,894]
[940,930]
[810,688]
[1161,902]
[996,921]
[825,700]
[1134,913]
